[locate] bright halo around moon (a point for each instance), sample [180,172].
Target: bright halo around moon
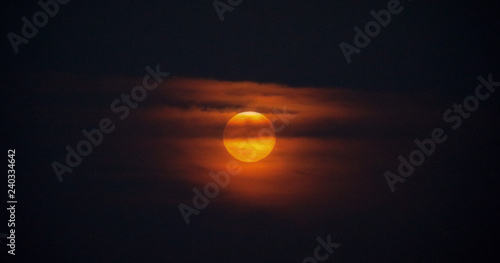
[249,136]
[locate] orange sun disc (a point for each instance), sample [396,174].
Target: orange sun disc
[249,136]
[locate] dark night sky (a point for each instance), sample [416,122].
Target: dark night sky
[120,205]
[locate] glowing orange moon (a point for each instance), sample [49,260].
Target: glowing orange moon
[249,136]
